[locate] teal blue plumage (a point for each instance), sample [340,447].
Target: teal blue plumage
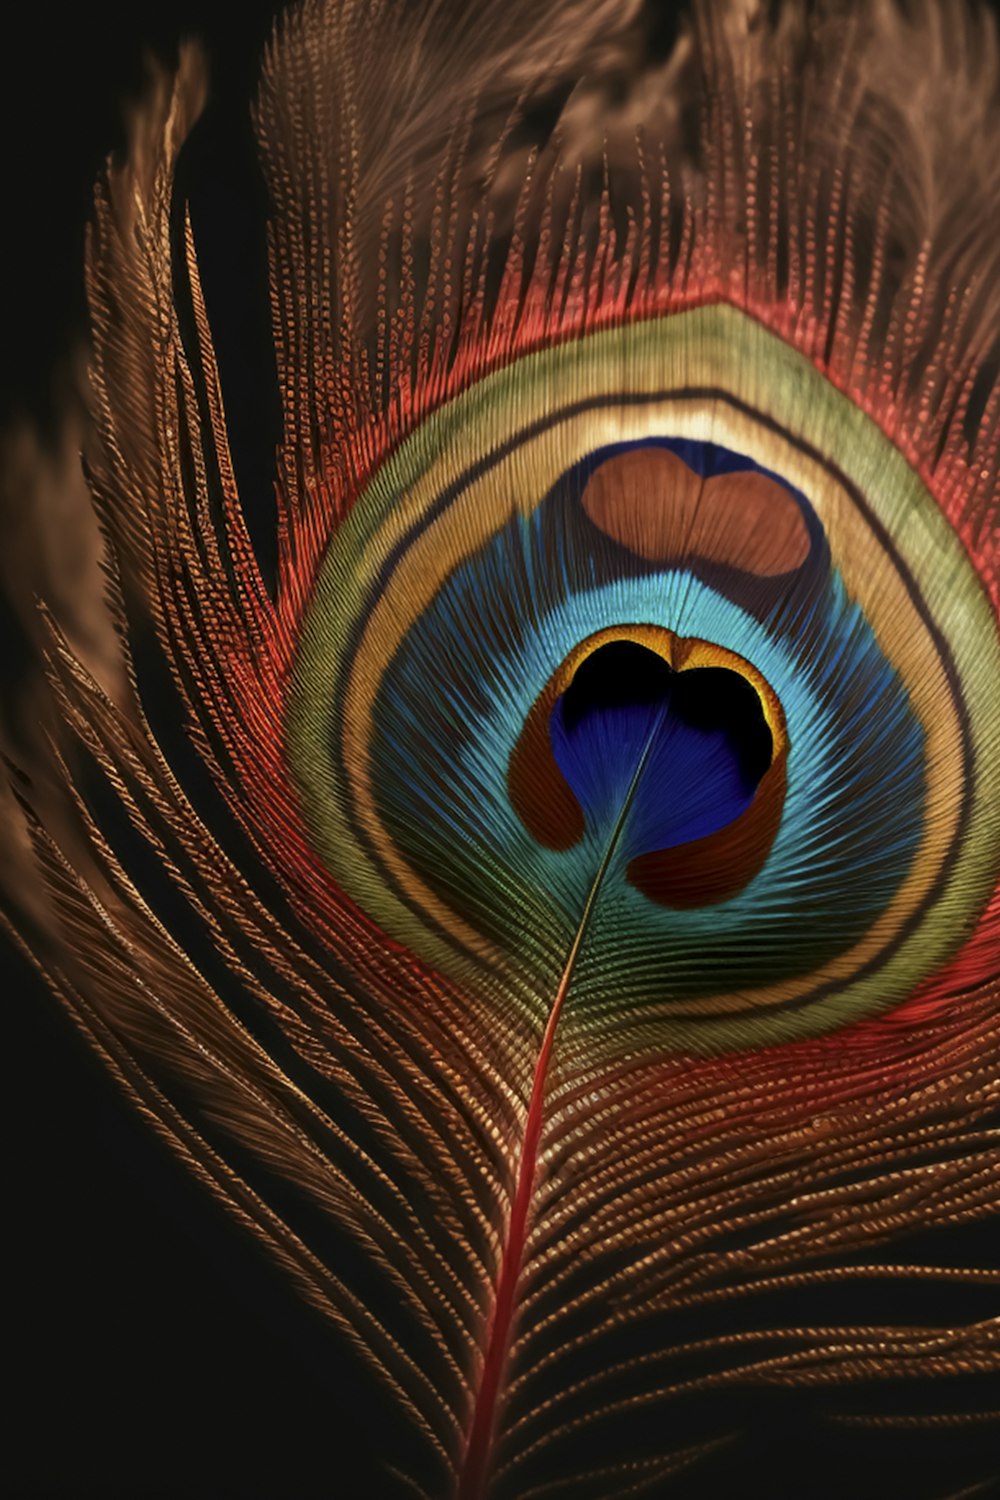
[455,698]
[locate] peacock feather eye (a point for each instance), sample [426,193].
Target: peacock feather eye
[559,915]
[659,622]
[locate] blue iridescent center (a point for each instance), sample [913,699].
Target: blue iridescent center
[700,736]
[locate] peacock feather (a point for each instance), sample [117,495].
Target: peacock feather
[566,931]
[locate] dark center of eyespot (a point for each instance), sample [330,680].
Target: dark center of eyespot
[627,682]
[687,753]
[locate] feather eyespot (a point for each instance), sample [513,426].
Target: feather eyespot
[437,766]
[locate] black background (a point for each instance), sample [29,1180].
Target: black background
[150,1351]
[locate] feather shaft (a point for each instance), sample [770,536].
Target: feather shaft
[475,1469]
